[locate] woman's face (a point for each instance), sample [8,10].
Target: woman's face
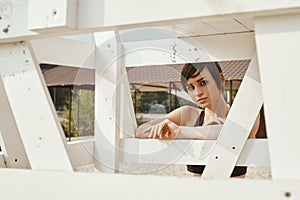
[203,89]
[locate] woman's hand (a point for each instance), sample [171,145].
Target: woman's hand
[165,130]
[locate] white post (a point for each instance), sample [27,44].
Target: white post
[278,47]
[107,102]
[237,127]
[11,142]
[32,108]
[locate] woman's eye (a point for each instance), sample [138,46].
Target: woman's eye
[202,83]
[190,88]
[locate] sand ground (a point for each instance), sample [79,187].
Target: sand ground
[173,170]
[180,170]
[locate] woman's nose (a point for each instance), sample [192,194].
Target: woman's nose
[199,91]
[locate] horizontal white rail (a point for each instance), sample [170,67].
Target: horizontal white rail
[49,185]
[255,152]
[152,151]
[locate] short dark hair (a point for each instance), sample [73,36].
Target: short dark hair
[190,69]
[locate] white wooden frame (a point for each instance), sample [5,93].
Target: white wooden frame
[81,16]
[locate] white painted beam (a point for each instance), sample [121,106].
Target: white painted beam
[52,15]
[90,13]
[13,150]
[195,152]
[91,16]
[238,124]
[13,25]
[238,46]
[49,185]
[166,51]
[196,49]
[32,108]
[107,110]
[114,114]
[143,11]
[81,153]
[66,52]
[127,124]
[278,47]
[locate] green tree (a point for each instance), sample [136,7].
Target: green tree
[83,112]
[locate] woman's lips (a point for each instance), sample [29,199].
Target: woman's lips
[202,100]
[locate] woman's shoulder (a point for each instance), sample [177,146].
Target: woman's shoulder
[191,109]
[185,115]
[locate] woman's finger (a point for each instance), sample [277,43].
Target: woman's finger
[152,131]
[161,130]
[155,132]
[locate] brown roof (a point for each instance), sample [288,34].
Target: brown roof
[69,76]
[154,73]
[232,70]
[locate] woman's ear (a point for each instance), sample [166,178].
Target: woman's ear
[222,79]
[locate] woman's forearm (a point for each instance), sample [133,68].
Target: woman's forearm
[152,129]
[209,132]
[140,132]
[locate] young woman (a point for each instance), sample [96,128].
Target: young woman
[204,82]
